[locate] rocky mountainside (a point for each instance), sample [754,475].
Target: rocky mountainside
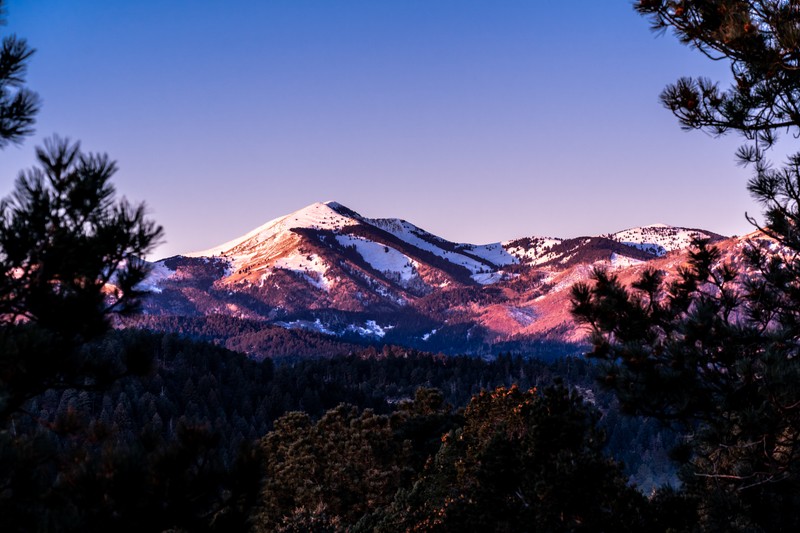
[326,269]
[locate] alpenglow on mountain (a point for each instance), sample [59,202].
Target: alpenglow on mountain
[328,270]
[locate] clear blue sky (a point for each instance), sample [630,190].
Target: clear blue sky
[477,120]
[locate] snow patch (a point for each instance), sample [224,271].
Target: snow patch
[370,329]
[382,258]
[429,334]
[495,253]
[311,267]
[657,239]
[488,278]
[419,238]
[621,261]
[158,273]
[533,250]
[522,316]
[317,326]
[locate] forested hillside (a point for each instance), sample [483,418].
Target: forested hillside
[177,447]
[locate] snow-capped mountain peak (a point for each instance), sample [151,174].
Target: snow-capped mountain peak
[284,243]
[327,268]
[318,215]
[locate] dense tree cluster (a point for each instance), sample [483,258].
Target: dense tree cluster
[707,353]
[177,448]
[521,461]
[347,466]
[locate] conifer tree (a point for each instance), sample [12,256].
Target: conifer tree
[70,257]
[716,349]
[760,39]
[18,104]
[70,253]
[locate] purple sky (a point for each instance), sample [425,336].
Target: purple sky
[476,120]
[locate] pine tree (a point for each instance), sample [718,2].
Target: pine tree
[70,257]
[760,39]
[716,349]
[335,470]
[18,104]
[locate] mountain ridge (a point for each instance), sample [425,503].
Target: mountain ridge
[328,269]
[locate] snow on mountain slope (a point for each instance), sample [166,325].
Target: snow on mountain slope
[488,278]
[310,267]
[659,239]
[328,269]
[158,273]
[477,259]
[382,258]
[274,245]
[315,216]
[283,244]
[275,238]
[533,250]
[494,253]
[621,261]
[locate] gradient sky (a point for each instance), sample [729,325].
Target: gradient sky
[479,121]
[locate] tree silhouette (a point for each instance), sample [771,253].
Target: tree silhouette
[70,256]
[715,349]
[18,104]
[760,39]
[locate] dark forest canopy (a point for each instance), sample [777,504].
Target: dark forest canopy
[177,448]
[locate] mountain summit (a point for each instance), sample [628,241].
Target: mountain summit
[328,269]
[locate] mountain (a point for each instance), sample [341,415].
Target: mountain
[328,270]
